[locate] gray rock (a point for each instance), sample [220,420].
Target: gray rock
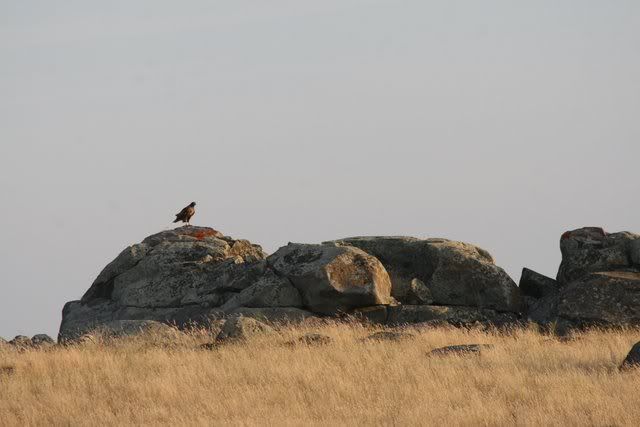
[407,314]
[542,311]
[536,285]
[602,299]
[462,349]
[454,273]
[268,291]
[389,336]
[224,281]
[274,314]
[102,287]
[333,279]
[633,358]
[591,249]
[241,328]
[597,282]
[42,340]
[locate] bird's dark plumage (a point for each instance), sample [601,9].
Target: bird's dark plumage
[185,214]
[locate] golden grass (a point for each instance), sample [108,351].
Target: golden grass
[526,379]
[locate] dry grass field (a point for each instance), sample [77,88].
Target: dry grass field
[527,378]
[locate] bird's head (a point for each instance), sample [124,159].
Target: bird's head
[192,204]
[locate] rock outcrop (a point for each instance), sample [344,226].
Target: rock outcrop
[598,282]
[191,275]
[441,272]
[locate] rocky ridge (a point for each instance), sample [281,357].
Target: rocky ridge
[191,275]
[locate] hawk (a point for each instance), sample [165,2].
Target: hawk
[185,214]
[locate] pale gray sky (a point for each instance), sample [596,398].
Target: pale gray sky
[499,123]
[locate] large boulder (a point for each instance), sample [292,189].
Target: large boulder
[178,276]
[591,249]
[332,279]
[598,281]
[160,271]
[441,272]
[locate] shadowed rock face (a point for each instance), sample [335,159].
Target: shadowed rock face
[536,285]
[445,272]
[454,315]
[607,298]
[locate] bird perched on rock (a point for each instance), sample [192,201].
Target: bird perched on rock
[185,214]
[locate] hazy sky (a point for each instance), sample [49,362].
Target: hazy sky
[500,123]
